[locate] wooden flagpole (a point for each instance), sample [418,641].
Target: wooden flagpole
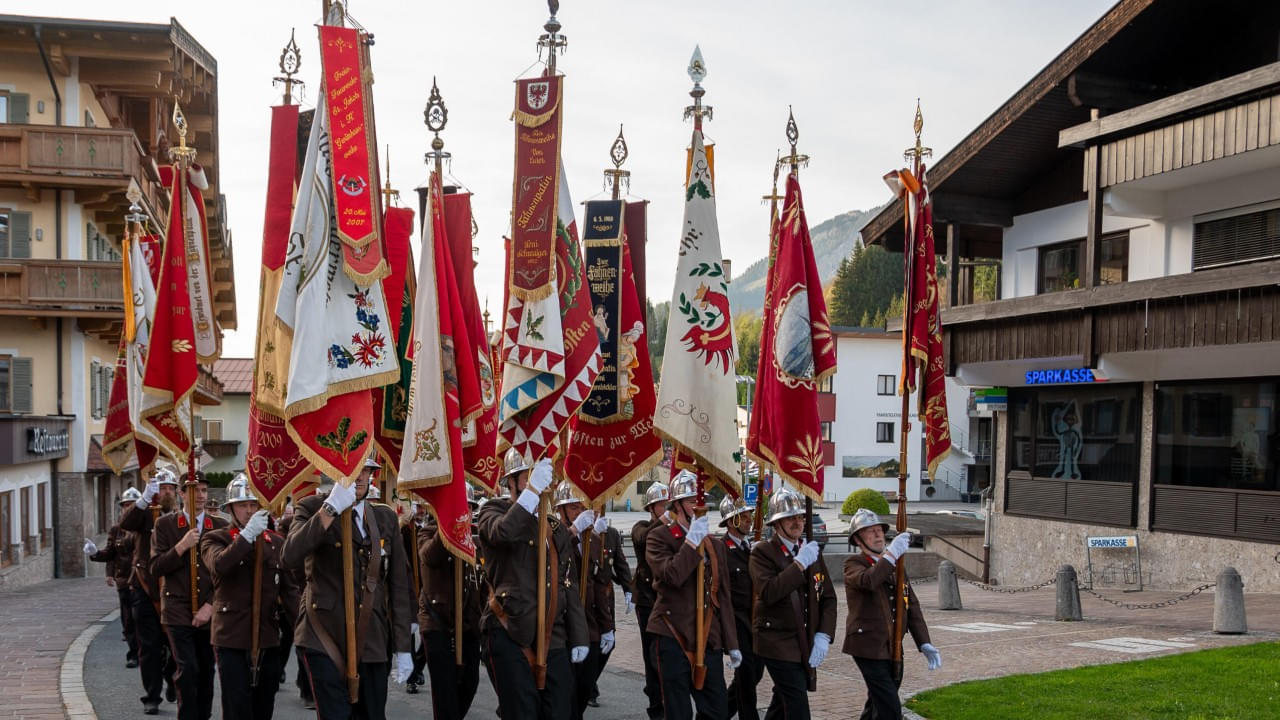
[773,197]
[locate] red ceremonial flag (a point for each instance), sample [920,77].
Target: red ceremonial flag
[922,330]
[170,374]
[391,403]
[797,351]
[275,467]
[480,436]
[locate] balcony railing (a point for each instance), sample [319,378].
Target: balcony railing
[74,288]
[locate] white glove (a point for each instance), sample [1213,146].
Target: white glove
[606,643]
[341,497]
[149,493]
[413,629]
[807,554]
[931,655]
[256,524]
[404,667]
[584,521]
[735,659]
[698,530]
[89,547]
[540,477]
[626,596]
[578,654]
[821,644]
[898,547]
[602,525]
[528,500]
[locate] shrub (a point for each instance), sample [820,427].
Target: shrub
[865,498]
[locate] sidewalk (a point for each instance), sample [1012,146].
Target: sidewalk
[40,622]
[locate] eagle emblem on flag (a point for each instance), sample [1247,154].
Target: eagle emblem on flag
[538,93]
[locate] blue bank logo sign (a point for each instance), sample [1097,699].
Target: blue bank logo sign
[1063,377]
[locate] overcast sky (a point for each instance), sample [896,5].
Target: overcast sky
[851,70]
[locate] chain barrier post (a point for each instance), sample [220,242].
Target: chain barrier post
[1067,606]
[1228,604]
[948,587]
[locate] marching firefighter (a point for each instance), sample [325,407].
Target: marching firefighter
[600,627]
[118,555]
[155,661]
[783,571]
[735,518]
[248,682]
[613,568]
[381,589]
[674,553]
[176,537]
[411,527]
[869,585]
[655,501]
[508,533]
[453,686]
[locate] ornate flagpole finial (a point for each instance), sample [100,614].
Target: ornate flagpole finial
[773,196]
[795,159]
[390,193]
[552,40]
[697,73]
[616,177]
[436,117]
[919,152]
[290,63]
[182,153]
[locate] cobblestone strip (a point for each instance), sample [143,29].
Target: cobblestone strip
[71,683]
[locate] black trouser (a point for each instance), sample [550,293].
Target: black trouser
[518,694]
[419,662]
[882,690]
[595,685]
[453,686]
[194,679]
[126,620]
[285,649]
[742,691]
[241,700]
[329,683]
[302,676]
[153,649]
[677,683]
[584,678]
[652,683]
[790,690]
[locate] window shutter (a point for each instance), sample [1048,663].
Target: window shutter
[108,378]
[95,392]
[19,108]
[92,242]
[19,235]
[21,380]
[1236,239]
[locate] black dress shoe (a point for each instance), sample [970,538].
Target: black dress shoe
[131,663]
[411,688]
[170,693]
[151,708]
[593,703]
[308,701]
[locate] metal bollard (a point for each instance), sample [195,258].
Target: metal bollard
[1068,599]
[1228,604]
[948,587]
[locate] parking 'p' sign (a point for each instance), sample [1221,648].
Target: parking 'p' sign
[750,493]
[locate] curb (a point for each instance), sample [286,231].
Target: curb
[75,701]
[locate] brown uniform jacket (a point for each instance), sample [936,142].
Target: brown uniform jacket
[739,558]
[869,588]
[140,522]
[779,587]
[174,570]
[319,552]
[675,563]
[118,555]
[436,599]
[231,561]
[508,537]
[642,584]
[610,567]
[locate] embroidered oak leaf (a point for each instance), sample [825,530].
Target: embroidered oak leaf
[340,440]
[534,327]
[700,188]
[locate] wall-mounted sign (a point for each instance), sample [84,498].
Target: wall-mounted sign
[1117,541]
[43,442]
[986,401]
[1068,376]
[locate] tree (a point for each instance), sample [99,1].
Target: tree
[746,330]
[865,284]
[656,327]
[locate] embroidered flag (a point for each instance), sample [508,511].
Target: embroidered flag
[195,234]
[797,351]
[340,349]
[124,435]
[391,403]
[611,439]
[170,372]
[344,55]
[480,436]
[275,466]
[697,398]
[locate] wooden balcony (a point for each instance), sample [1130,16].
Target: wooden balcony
[99,163]
[61,288]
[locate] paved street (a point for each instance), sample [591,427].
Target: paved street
[996,634]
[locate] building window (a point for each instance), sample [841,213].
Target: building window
[884,432]
[1073,453]
[14,107]
[1238,238]
[1113,258]
[7,550]
[1061,266]
[15,384]
[15,234]
[212,429]
[105,502]
[886,384]
[42,494]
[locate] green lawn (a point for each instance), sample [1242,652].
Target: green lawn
[1235,682]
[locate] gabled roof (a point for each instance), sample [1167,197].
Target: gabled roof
[236,375]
